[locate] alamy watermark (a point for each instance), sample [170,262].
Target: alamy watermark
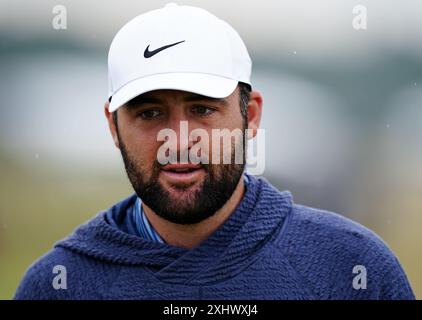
[60,280]
[360,20]
[59,21]
[360,280]
[225,147]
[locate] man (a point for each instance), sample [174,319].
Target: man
[202,230]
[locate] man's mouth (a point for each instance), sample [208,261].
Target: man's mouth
[181,167]
[182,173]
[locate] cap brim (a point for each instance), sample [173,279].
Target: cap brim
[203,84]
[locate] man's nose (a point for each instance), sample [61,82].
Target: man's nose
[182,128]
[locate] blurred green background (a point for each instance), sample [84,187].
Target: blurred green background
[342,113]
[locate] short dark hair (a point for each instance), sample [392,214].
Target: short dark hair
[244,93]
[114,114]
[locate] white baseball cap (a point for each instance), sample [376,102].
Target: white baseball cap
[176,47]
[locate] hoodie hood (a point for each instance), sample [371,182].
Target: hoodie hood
[261,215]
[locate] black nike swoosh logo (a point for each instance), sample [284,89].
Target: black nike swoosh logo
[149,54]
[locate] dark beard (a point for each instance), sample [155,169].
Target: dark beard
[215,190]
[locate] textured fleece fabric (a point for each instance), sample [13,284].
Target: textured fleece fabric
[269,248]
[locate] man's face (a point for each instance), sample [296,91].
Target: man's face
[175,195]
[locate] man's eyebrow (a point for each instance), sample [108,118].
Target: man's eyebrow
[198,97]
[142,100]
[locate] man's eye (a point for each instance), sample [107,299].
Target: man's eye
[202,110]
[149,114]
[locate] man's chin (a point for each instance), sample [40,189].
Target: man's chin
[181,192]
[180,202]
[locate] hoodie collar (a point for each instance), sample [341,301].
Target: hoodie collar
[257,219]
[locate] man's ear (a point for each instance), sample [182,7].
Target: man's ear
[111,124]
[254,112]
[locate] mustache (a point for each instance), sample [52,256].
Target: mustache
[157,166]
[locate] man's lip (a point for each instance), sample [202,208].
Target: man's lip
[181,166]
[188,174]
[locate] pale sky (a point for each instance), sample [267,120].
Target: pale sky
[322,28]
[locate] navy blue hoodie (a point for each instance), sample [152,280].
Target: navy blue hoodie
[269,248]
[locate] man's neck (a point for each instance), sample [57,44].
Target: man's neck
[190,236]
